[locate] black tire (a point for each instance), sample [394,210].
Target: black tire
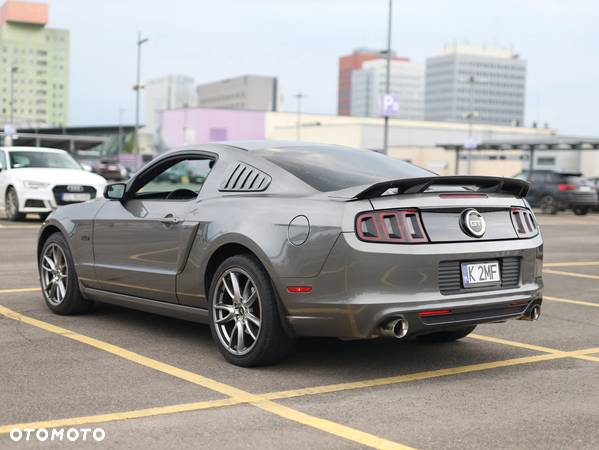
[72,302]
[271,343]
[11,206]
[447,336]
[581,210]
[548,205]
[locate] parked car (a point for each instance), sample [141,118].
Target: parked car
[111,170]
[595,181]
[38,180]
[281,240]
[558,191]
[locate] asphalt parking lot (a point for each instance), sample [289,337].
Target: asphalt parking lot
[150,381]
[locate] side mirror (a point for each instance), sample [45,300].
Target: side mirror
[86,167]
[115,191]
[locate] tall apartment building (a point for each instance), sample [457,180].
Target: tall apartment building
[250,92]
[488,84]
[347,65]
[169,92]
[368,84]
[34,67]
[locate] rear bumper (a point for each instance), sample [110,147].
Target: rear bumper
[363,285]
[577,200]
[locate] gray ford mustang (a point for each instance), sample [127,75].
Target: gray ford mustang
[268,241]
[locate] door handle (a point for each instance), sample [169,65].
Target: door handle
[169,219]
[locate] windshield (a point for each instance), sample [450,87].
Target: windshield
[37,159]
[332,168]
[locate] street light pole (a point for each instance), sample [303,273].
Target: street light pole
[13,70]
[120,142]
[471,80]
[298,123]
[137,88]
[387,78]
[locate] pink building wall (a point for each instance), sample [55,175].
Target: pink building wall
[207,125]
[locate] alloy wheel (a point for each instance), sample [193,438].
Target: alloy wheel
[54,274]
[237,311]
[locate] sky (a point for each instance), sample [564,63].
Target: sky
[300,41]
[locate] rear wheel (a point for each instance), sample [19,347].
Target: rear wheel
[447,336]
[244,319]
[548,204]
[580,210]
[60,286]
[12,206]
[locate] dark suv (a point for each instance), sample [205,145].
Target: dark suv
[557,191]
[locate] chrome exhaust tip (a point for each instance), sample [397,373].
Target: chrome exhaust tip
[532,314]
[397,328]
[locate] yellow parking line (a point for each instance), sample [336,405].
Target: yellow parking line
[187,407]
[588,357]
[567,300]
[572,274]
[316,390]
[126,415]
[14,291]
[418,376]
[579,354]
[536,348]
[230,391]
[571,264]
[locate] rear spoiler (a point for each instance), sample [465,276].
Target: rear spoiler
[495,185]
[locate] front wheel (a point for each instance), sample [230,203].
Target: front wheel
[244,319]
[580,210]
[12,206]
[60,286]
[447,336]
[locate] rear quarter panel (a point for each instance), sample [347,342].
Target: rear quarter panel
[262,224]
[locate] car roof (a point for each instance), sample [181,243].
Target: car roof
[33,149]
[265,144]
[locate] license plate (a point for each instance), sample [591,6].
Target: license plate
[584,188]
[481,274]
[75,197]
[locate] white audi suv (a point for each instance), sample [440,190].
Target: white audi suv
[38,180]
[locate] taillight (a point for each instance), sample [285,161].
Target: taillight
[524,222]
[401,226]
[566,187]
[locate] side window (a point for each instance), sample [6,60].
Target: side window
[552,178]
[537,178]
[181,181]
[3,162]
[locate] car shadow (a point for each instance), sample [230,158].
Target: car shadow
[314,357]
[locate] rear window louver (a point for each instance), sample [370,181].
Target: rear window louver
[241,177]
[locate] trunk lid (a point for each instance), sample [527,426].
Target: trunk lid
[445,202]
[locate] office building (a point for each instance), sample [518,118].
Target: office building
[347,65]
[482,84]
[169,92]
[248,92]
[34,67]
[406,80]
